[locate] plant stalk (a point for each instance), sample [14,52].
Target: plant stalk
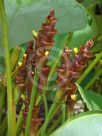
[10,99]
[50,115]
[32,100]
[63,107]
[93,79]
[45,105]
[20,118]
[54,125]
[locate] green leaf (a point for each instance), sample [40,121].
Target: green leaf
[98,21]
[25,15]
[90,2]
[55,56]
[81,36]
[86,125]
[92,99]
[60,43]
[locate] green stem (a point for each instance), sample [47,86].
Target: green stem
[55,124]
[32,100]
[10,100]
[63,107]
[17,94]
[98,56]
[38,101]
[53,107]
[45,105]
[20,119]
[52,115]
[93,79]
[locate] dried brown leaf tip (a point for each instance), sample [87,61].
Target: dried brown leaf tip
[70,70]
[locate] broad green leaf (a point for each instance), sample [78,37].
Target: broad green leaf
[25,15]
[90,2]
[87,125]
[81,36]
[92,99]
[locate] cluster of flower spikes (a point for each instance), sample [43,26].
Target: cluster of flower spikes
[36,56]
[70,70]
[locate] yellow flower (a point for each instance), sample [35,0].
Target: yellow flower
[46,53]
[20,64]
[73,97]
[75,50]
[35,34]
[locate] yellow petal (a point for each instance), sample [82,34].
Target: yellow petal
[75,50]
[46,53]
[35,34]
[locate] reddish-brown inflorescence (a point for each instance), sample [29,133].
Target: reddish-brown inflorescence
[70,70]
[36,56]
